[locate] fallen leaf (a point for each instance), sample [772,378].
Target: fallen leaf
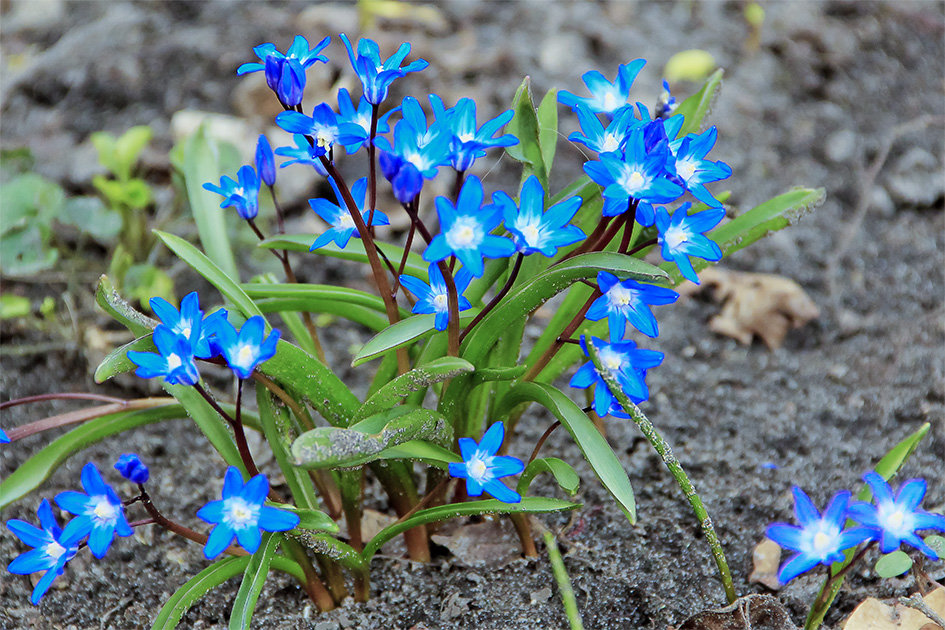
[491,543]
[766,558]
[759,304]
[751,612]
[873,614]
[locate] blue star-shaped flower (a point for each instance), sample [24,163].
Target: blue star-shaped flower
[469,143]
[593,134]
[174,359]
[694,170]
[682,237]
[339,218]
[626,362]
[375,75]
[416,150]
[606,97]
[360,116]
[50,551]
[303,153]
[245,350]
[132,468]
[189,322]
[628,301]
[298,51]
[465,230]
[99,513]
[324,127]
[243,195]
[482,468]
[896,520]
[534,229]
[433,297]
[242,515]
[818,539]
[286,77]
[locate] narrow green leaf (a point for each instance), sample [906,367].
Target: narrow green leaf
[525,126]
[34,471]
[332,447]
[435,371]
[564,582]
[128,148]
[319,298]
[595,448]
[403,333]
[509,373]
[209,422]
[529,505]
[367,317]
[309,519]
[696,107]
[290,319]
[254,578]
[112,303]
[563,473]
[893,564]
[276,427]
[548,128]
[117,361]
[353,251]
[338,551]
[421,450]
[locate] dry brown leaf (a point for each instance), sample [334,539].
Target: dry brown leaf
[766,557]
[491,543]
[759,304]
[751,612]
[873,614]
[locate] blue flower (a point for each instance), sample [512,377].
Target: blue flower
[4,439]
[818,539]
[595,137]
[50,551]
[360,117]
[696,171]
[606,97]
[375,75]
[243,195]
[132,468]
[625,362]
[288,77]
[339,218]
[465,230]
[666,103]
[189,322]
[174,359]
[628,301]
[242,515]
[99,513]
[265,162]
[432,298]
[896,520]
[482,468]
[245,350]
[323,127]
[682,236]
[303,152]
[298,51]
[535,230]
[469,143]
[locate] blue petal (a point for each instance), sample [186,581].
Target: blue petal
[232,482]
[32,561]
[42,586]
[212,512]
[504,465]
[492,439]
[72,501]
[911,494]
[801,563]
[788,536]
[804,508]
[501,492]
[249,538]
[275,520]
[100,540]
[219,539]
[28,533]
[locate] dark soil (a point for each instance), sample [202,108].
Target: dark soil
[813,105]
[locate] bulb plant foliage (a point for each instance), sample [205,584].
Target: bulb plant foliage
[451,368]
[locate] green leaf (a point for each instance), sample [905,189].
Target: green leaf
[696,107]
[353,251]
[529,505]
[525,126]
[595,448]
[209,422]
[893,564]
[104,144]
[12,306]
[117,361]
[548,128]
[26,252]
[136,194]
[214,575]
[318,298]
[367,317]
[276,427]
[309,519]
[145,281]
[128,148]
[403,333]
[421,450]
[937,543]
[112,303]
[31,473]
[93,217]
[689,65]
[764,219]
[392,393]
[214,274]
[333,447]
[254,578]
[563,473]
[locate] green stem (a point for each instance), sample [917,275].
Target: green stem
[831,587]
[675,469]
[564,583]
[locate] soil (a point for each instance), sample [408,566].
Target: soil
[813,104]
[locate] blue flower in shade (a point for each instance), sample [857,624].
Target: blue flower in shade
[242,515]
[360,117]
[245,350]
[469,143]
[243,195]
[299,51]
[189,322]
[174,359]
[288,77]
[535,230]
[405,180]
[303,152]
[696,171]
[682,237]
[132,468]
[596,137]
[666,103]
[626,362]
[4,439]
[339,218]
[894,521]
[375,75]
[628,301]
[606,97]
[638,173]
[432,298]
[99,513]
[465,230]
[323,127]
[818,539]
[482,468]
[50,551]
[265,161]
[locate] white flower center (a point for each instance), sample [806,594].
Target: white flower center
[632,181]
[674,236]
[895,520]
[686,169]
[104,511]
[186,331]
[345,222]
[822,541]
[245,355]
[611,143]
[440,302]
[532,233]
[325,137]
[466,136]
[611,360]
[54,550]
[620,296]
[611,102]
[477,469]
[238,513]
[465,234]
[173,362]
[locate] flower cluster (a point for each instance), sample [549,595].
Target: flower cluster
[823,538]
